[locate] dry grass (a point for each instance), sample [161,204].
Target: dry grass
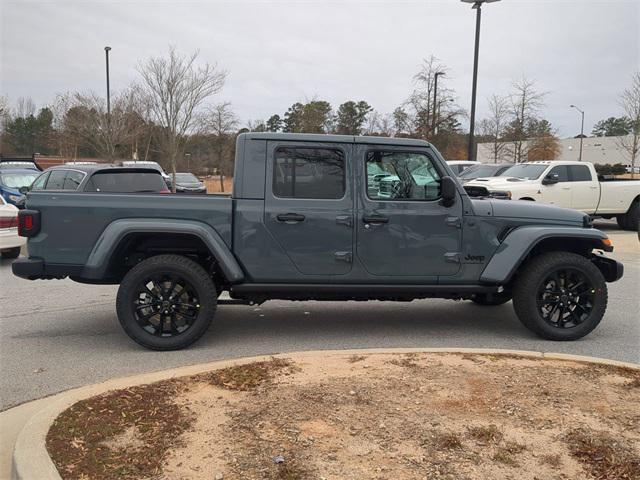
[447,441]
[145,420]
[606,457]
[485,434]
[356,358]
[249,376]
[213,184]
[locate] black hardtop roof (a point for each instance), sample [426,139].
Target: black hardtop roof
[101,167]
[315,137]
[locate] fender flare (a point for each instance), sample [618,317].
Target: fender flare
[519,243]
[116,231]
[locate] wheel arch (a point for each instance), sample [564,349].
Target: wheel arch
[125,237]
[526,242]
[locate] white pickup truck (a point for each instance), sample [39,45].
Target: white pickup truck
[566,184]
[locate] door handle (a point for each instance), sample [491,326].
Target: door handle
[375,219]
[290,217]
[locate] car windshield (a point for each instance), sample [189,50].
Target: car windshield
[17,180]
[186,178]
[477,171]
[525,171]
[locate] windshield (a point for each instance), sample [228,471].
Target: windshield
[477,171]
[17,180]
[525,171]
[186,178]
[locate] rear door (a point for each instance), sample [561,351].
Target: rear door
[309,205]
[585,190]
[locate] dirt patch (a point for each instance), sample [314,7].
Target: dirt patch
[374,416]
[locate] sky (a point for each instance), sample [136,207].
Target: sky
[580,52]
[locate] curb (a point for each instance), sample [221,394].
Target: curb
[31,460]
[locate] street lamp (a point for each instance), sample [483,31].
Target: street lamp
[477,4]
[581,130]
[188,156]
[435,102]
[106,53]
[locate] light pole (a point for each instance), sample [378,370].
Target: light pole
[106,53]
[581,130]
[435,103]
[188,155]
[477,4]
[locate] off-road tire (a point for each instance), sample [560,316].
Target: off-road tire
[164,264]
[11,253]
[491,299]
[529,281]
[622,221]
[631,219]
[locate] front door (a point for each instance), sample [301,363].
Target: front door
[309,205]
[403,230]
[558,193]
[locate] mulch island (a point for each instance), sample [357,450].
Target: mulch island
[379,416]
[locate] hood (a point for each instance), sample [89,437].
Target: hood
[499,182]
[525,210]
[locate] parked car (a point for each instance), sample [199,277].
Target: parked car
[12,180]
[320,236]
[10,242]
[459,166]
[148,164]
[98,178]
[189,183]
[482,171]
[567,184]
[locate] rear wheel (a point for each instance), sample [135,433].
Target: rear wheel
[166,302]
[11,253]
[632,217]
[560,296]
[622,221]
[491,299]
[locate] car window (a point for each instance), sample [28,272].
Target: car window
[579,173]
[40,182]
[525,171]
[186,178]
[408,176]
[17,180]
[126,182]
[56,180]
[561,170]
[309,173]
[73,179]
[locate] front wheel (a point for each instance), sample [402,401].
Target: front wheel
[560,296]
[166,302]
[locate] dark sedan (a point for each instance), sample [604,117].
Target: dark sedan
[189,183]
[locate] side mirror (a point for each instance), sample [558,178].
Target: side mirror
[23,190]
[551,179]
[449,191]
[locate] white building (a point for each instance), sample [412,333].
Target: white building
[596,150]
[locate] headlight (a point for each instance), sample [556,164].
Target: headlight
[504,195]
[15,198]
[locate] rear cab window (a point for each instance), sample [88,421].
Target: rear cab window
[579,173]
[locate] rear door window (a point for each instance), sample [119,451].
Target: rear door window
[309,173]
[40,182]
[579,173]
[73,180]
[56,180]
[126,182]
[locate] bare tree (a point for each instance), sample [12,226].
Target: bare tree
[221,122]
[630,102]
[495,125]
[525,102]
[83,119]
[176,88]
[25,107]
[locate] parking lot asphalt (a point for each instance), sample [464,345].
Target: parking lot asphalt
[57,334]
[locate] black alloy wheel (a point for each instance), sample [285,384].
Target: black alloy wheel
[566,298]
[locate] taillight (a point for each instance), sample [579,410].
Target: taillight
[9,222]
[28,223]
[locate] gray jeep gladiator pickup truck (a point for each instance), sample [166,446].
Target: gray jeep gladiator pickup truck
[307,221]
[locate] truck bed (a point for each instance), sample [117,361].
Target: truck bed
[71,223]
